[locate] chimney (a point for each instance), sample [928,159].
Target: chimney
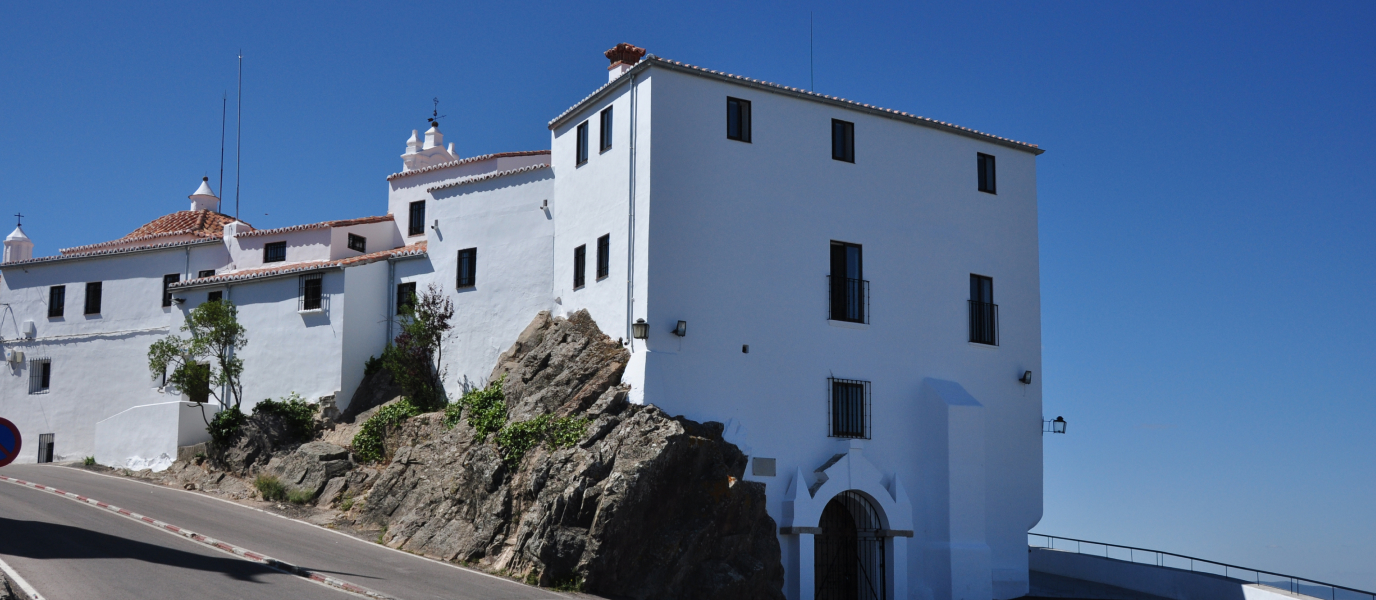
[623,57]
[433,137]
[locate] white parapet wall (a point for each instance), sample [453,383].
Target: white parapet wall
[147,436]
[1166,582]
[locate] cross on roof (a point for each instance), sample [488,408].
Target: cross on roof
[21,218]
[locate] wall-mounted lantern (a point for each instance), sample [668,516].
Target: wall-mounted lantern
[1026,378]
[640,330]
[681,329]
[1056,425]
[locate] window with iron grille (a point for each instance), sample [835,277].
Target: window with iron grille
[40,375]
[580,263]
[168,280]
[406,296]
[738,120]
[606,129]
[849,408]
[275,252]
[215,296]
[312,292]
[93,289]
[468,268]
[358,242]
[416,223]
[986,173]
[604,256]
[984,314]
[205,273]
[57,300]
[582,143]
[843,140]
[849,293]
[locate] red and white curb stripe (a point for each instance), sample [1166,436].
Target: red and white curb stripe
[244,553]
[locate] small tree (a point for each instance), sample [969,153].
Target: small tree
[205,365]
[414,356]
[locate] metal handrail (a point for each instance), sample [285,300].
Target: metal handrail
[1295,582]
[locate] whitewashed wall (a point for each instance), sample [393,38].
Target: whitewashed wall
[302,246]
[402,191]
[365,316]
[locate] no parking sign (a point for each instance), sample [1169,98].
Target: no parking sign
[10,442]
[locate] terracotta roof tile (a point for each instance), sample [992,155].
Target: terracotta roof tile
[110,251]
[417,249]
[464,161]
[652,60]
[320,225]
[196,223]
[486,176]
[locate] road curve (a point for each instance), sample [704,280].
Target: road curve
[369,565]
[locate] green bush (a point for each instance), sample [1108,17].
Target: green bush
[371,365]
[226,425]
[520,437]
[89,461]
[298,414]
[300,496]
[368,444]
[486,409]
[270,487]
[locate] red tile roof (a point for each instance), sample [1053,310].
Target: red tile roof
[464,161]
[320,225]
[487,176]
[417,249]
[109,252]
[652,60]
[196,223]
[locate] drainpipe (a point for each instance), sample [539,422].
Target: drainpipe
[391,296]
[630,227]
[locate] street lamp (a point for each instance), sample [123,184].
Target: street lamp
[640,330]
[1056,425]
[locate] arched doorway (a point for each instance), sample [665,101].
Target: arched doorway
[848,554]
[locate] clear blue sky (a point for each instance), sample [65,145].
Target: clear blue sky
[1206,195]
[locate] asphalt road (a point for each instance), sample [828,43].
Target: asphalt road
[363,563]
[68,551]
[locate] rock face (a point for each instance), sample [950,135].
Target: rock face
[262,435]
[645,506]
[311,466]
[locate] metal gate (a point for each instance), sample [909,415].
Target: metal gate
[849,553]
[45,448]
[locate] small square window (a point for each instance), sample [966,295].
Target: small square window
[40,375]
[416,225]
[215,296]
[358,242]
[606,129]
[850,408]
[57,300]
[468,268]
[604,258]
[275,252]
[582,142]
[205,273]
[580,262]
[93,290]
[843,140]
[406,296]
[168,280]
[738,120]
[986,173]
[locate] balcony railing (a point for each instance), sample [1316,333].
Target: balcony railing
[984,323]
[849,300]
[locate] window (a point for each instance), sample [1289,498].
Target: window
[275,252]
[843,140]
[849,293]
[986,173]
[604,256]
[198,382]
[312,292]
[358,242]
[580,263]
[738,120]
[40,375]
[205,273]
[406,296]
[606,130]
[468,268]
[984,314]
[850,408]
[417,219]
[215,296]
[168,280]
[57,299]
[92,298]
[582,143]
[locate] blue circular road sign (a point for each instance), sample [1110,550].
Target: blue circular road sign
[9,442]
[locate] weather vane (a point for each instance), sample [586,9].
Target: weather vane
[435,115]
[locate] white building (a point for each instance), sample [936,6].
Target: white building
[853,290]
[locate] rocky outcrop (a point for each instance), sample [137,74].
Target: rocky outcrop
[376,389]
[311,467]
[645,506]
[263,434]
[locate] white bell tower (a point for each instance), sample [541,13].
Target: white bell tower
[204,198]
[18,246]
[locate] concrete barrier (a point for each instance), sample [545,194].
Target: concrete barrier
[147,436]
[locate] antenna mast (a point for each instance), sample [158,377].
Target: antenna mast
[811,78]
[238,134]
[224,103]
